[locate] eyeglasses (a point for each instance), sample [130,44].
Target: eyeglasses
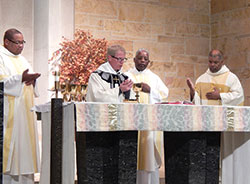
[17,42]
[119,59]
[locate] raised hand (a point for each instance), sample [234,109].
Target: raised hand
[191,87]
[28,78]
[126,85]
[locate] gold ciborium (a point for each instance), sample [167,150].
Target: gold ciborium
[82,92]
[65,91]
[137,87]
[73,92]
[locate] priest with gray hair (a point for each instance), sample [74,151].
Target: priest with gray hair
[150,143]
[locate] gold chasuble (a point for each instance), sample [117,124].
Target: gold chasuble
[231,93]
[20,154]
[150,143]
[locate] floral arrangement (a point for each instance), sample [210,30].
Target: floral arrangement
[78,58]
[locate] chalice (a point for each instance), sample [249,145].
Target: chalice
[83,92]
[73,92]
[137,87]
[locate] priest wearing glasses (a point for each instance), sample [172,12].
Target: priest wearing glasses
[107,83]
[20,144]
[106,161]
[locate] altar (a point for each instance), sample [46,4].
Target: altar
[161,117]
[172,119]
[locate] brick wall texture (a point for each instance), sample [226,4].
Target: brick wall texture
[230,32]
[177,33]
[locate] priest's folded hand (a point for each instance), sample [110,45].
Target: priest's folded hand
[214,95]
[145,87]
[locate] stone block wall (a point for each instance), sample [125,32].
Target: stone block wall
[176,33]
[18,14]
[230,32]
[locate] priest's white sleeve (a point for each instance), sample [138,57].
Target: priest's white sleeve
[158,93]
[99,90]
[12,84]
[236,94]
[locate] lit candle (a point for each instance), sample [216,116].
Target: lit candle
[57,76]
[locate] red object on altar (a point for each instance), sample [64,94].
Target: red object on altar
[178,102]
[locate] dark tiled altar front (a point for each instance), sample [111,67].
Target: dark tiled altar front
[106,157]
[192,157]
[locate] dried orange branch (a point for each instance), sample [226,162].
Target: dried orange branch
[80,57]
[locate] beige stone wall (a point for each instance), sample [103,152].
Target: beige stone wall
[176,33]
[230,32]
[18,14]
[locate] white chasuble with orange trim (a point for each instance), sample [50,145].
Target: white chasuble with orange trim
[21,153]
[150,143]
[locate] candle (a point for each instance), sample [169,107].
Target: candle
[57,74]
[57,77]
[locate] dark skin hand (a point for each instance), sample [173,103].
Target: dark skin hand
[145,87]
[191,87]
[28,78]
[214,95]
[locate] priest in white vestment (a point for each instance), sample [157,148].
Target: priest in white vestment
[150,142]
[219,86]
[20,152]
[107,83]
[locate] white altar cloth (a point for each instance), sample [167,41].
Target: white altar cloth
[233,120]
[163,117]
